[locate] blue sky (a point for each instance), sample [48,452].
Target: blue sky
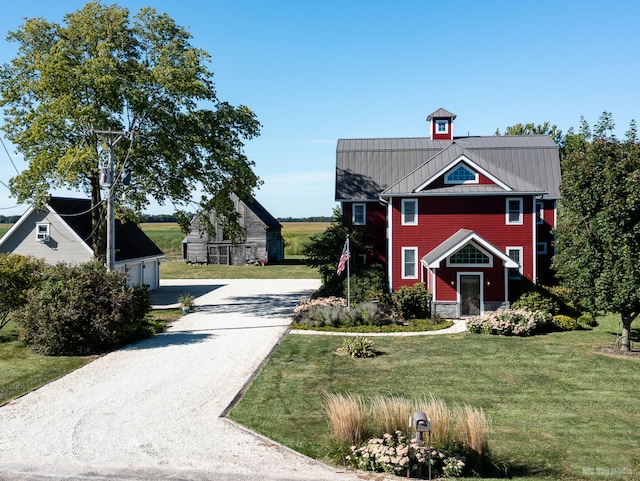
[317,71]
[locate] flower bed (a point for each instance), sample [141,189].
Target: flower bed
[393,453]
[510,322]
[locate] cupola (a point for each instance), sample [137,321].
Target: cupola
[441,124]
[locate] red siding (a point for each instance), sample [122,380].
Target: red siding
[441,217]
[376,225]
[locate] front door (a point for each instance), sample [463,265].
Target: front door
[469,295]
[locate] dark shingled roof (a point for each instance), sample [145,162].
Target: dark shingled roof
[131,242]
[367,167]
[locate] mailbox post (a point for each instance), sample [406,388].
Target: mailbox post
[421,424]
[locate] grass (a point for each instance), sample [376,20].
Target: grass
[167,236]
[288,269]
[22,370]
[4,228]
[559,410]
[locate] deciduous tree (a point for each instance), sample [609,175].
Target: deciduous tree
[102,69]
[598,227]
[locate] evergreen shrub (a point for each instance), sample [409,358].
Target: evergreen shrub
[412,302]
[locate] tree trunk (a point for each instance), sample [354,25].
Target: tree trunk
[625,340]
[98,222]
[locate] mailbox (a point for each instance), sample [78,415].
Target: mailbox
[420,422]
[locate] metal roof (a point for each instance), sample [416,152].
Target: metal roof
[367,167]
[131,241]
[441,113]
[457,241]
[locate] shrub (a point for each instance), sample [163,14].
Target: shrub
[412,302]
[18,274]
[587,320]
[509,322]
[365,314]
[535,301]
[80,310]
[393,453]
[367,284]
[357,346]
[565,322]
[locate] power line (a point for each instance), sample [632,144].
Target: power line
[9,155]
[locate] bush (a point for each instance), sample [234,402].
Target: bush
[80,310]
[587,320]
[565,322]
[535,301]
[367,284]
[332,311]
[509,322]
[412,302]
[357,346]
[18,274]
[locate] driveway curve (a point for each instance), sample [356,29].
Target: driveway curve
[152,411]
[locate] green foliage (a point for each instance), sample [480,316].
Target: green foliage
[587,320]
[357,346]
[532,129]
[79,310]
[323,251]
[536,301]
[104,69]
[510,322]
[598,228]
[18,274]
[334,313]
[565,323]
[368,284]
[412,302]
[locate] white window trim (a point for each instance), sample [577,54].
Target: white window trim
[364,214]
[447,181]
[415,212]
[541,248]
[540,211]
[444,122]
[43,236]
[416,263]
[520,256]
[520,211]
[484,251]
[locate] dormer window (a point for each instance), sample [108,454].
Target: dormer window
[442,126]
[461,175]
[42,231]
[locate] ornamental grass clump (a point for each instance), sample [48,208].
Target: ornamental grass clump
[459,435]
[510,322]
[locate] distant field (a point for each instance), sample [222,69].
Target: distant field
[4,228]
[168,236]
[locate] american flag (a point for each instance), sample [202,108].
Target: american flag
[344,258]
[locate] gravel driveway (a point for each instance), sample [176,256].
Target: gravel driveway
[152,411]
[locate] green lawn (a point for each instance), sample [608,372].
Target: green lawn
[288,269]
[559,410]
[21,370]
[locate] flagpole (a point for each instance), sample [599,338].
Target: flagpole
[348,276]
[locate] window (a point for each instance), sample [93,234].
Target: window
[540,212]
[461,175]
[514,210]
[542,248]
[409,262]
[442,126]
[515,253]
[359,214]
[470,255]
[409,212]
[42,231]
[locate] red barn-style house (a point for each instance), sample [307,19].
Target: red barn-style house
[467,216]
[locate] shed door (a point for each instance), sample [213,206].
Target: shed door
[469,295]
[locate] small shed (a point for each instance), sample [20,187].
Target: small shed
[262,242]
[62,233]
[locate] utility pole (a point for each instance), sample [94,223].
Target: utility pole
[112,138]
